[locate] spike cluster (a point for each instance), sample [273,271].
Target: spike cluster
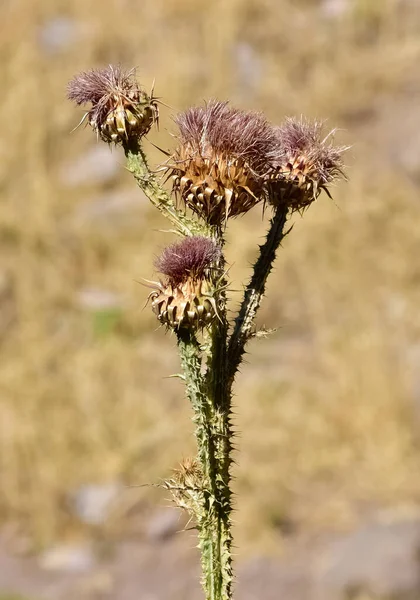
[304,163]
[186,487]
[189,295]
[120,110]
[222,158]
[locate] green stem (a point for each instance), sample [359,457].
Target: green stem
[146,179]
[221,401]
[254,291]
[208,519]
[210,400]
[220,396]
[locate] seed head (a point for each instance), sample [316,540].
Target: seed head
[189,474]
[120,108]
[305,162]
[189,296]
[223,156]
[187,488]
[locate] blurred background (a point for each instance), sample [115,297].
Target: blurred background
[328,408]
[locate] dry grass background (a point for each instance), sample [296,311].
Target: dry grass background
[328,407]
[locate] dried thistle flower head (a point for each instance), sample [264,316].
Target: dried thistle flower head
[186,486]
[189,295]
[223,156]
[120,108]
[305,162]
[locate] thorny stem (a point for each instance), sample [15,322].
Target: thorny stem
[210,524]
[220,396]
[210,391]
[210,400]
[146,179]
[255,291]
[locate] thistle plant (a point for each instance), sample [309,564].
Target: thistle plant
[226,162]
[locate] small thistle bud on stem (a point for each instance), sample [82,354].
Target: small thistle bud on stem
[219,167]
[304,163]
[189,295]
[120,110]
[186,487]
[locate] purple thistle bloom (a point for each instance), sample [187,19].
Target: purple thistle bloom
[191,258]
[120,108]
[303,139]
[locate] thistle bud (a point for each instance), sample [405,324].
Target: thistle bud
[304,164]
[219,167]
[120,110]
[189,295]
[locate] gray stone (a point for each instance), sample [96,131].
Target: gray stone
[59,33]
[396,126]
[333,9]
[68,558]
[381,559]
[117,209]
[411,358]
[248,69]
[164,523]
[95,299]
[97,165]
[93,503]
[269,579]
